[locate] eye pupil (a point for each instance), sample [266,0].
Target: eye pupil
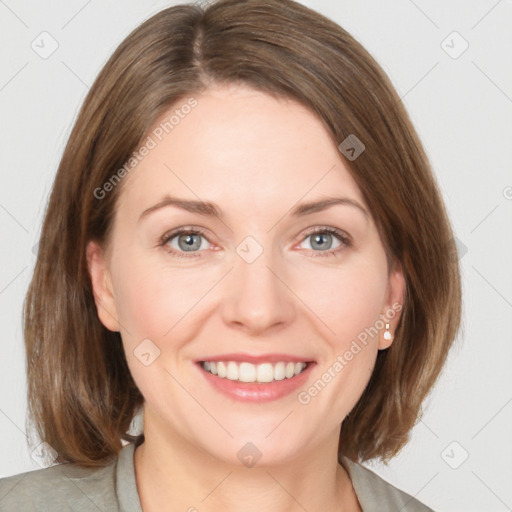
[316,240]
[189,243]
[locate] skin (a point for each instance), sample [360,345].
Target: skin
[256,157]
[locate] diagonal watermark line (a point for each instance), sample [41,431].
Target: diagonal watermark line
[113,112]
[14,218]
[75,74]
[501,409]
[485,15]
[280,423]
[21,430]
[492,81]
[62,467]
[291,496]
[484,218]
[493,287]
[427,484]
[198,301]
[19,19]
[300,299]
[200,199]
[199,403]
[112,316]
[312,187]
[491,490]
[397,395]
[13,279]
[12,488]
[216,486]
[71,479]
[64,473]
[75,15]
[432,432]
[424,14]
[416,494]
[420,80]
[14,76]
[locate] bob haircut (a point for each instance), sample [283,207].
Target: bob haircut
[81,395]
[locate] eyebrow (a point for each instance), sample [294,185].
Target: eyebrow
[209,209]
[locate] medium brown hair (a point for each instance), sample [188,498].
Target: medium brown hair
[81,394]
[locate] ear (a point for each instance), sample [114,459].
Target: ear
[394,305]
[102,286]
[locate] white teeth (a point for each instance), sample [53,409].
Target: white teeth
[248,372]
[279,371]
[265,373]
[221,369]
[232,371]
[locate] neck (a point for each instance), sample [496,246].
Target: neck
[174,474]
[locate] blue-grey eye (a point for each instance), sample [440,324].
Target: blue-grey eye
[323,241]
[187,241]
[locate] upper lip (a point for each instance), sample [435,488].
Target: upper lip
[263,358]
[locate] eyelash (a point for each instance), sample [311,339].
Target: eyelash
[342,237]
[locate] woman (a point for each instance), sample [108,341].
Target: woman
[245,240]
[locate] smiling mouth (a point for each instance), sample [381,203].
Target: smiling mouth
[254,373]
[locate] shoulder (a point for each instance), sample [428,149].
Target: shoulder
[375,494]
[63,487]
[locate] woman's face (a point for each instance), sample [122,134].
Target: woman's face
[254,283]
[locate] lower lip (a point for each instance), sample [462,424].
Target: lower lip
[257,392]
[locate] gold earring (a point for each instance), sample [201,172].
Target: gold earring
[387,334]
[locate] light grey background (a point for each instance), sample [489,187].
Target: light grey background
[462,110]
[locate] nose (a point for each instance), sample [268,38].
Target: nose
[258,299]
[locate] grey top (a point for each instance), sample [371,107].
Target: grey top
[70,487]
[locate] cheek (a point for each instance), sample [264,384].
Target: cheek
[348,300]
[160,303]
[150,302]
[150,298]
[139,307]
[349,305]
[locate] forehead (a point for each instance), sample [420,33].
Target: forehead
[242,149]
